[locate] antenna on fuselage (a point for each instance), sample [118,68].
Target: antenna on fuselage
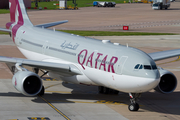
[127,45]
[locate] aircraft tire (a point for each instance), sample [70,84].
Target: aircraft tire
[133,107]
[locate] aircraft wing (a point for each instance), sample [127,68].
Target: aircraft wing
[60,68]
[164,54]
[47,25]
[5,30]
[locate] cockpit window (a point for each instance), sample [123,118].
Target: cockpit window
[148,67]
[154,67]
[141,67]
[137,66]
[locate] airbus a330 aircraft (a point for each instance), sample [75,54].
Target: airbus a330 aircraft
[81,60]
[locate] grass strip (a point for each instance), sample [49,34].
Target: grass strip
[106,33]
[4,33]
[4,11]
[109,33]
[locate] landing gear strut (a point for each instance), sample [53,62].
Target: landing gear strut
[36,70]
[134,97]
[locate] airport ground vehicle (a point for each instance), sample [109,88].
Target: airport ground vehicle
[104,4]
[160,4]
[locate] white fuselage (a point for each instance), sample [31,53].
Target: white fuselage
[102,64]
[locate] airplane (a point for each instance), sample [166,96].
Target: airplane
[81,60]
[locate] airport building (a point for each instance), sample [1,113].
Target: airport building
[4,4]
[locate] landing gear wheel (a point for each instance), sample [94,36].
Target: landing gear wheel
[42,91]
[133,107]
[134,97]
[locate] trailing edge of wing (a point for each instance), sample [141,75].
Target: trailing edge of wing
[164,54]
[47,25]
[5,30]
[62,69]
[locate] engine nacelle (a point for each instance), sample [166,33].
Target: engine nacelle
[27,82]
[168,81]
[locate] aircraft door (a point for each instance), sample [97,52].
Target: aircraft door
[45,47]
[121,64]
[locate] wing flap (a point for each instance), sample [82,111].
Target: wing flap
[47,25]
[164,54]
[68,69]
[5,30]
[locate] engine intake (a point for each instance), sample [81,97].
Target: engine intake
[27,82]
[168,82]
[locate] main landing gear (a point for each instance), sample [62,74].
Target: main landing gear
[134,97]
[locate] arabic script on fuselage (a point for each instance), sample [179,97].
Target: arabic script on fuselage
[69,45]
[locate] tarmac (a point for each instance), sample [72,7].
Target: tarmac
[64,101]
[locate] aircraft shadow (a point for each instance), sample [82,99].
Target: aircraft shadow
[12,94]
[149,101]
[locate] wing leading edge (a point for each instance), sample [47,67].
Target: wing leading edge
[61,69]
[47,25]
[164,54]
[5,30]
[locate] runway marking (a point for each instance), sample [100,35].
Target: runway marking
[57,110]
[57,91]
[38,118]
[52,85]
[96,102]
[141,25]
[49,79]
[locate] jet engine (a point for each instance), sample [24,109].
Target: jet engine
[168,81]
[27,82]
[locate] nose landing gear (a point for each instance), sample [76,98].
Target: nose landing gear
[134,97]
